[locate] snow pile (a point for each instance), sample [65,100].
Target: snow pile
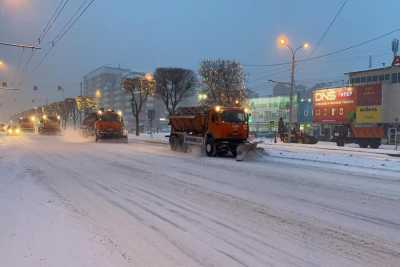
[367,159]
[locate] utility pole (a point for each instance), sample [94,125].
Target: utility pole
[293,51]
[293,68]
[80,111]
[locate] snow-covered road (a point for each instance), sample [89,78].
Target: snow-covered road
[69,202]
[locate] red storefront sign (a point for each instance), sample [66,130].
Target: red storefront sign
[336,105]
[369,95]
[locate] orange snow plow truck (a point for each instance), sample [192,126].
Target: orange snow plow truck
[218,130]
[109,125]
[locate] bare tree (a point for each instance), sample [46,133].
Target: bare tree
[139,88]
[224,81]
[173,85]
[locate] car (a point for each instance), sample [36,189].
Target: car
[3,127]
[13,130]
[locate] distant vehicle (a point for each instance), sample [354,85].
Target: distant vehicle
[299,137]
[27,124]
[363,135]
[13,130]
[88,125]
[105,125]
[3,127]
[221,130]
[50,125]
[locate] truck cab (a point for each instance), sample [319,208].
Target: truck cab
[27,124]
[227,128]
[110,125]
[50,124]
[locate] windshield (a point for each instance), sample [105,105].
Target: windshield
[233,116]
[52,119]
[110,117]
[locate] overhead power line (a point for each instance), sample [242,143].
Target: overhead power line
[67,27]
[325,33]
[61,6]
[330,53]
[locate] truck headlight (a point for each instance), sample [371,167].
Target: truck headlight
[17,131]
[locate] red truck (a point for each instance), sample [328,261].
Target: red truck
[27,124]
[110,125]
[105,125]
[363,135]
[50,124]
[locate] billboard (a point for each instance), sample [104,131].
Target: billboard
[369,95]
[369,114]
[334,105]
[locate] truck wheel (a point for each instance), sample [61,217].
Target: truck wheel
[172,143]
[374,144]
[210,147]
[363,144]
[234,151]
[340,142]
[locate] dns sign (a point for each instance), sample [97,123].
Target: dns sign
[325,95]
[333,94]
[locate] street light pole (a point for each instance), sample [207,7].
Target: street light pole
[293,68]
[293,53]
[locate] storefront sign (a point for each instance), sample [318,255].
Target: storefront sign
[336,105]
[369,114]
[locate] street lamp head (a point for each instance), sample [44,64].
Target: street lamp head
[306,45]
[3,65]
[282,41]
[149,77]
[98,93]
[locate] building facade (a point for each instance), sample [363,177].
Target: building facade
[266,111]
[389,79]
[105,84]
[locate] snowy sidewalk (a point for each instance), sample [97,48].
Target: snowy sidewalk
[326,153]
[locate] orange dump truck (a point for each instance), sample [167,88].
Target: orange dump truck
[363,135]
[109,125]
[27,124]
[220,130]
[50,125]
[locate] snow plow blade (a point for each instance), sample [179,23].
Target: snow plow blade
[249,151]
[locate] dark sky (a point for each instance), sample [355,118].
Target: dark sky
[143,35]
